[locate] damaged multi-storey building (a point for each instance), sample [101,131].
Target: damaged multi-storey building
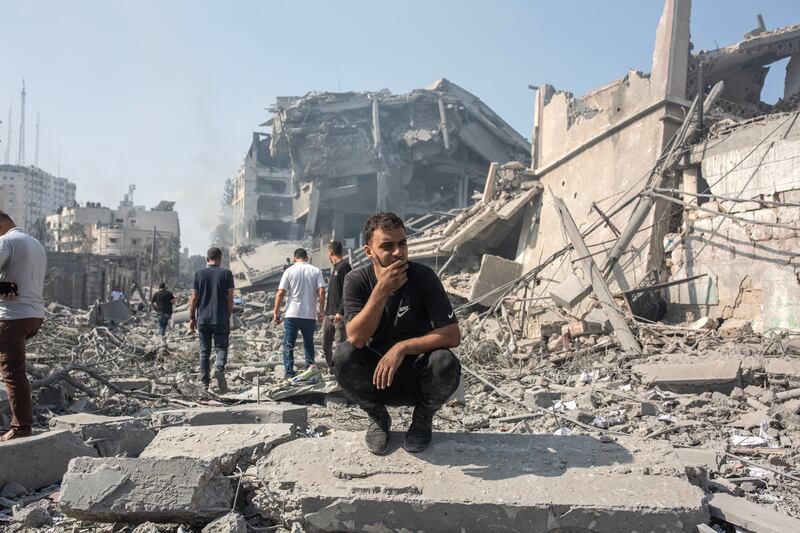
[334,158]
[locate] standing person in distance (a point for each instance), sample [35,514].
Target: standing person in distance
[333,329]
[300,285]
[23,262]
[210,310]
[161,302]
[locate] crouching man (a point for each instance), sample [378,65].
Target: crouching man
[400,326]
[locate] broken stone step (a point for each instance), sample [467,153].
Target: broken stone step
[225,446]
[485,482]
[706,376]
[111,436]
[137,490]
[40,460]
[750,516]
[263,413]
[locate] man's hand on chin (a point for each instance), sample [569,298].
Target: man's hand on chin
[387,366]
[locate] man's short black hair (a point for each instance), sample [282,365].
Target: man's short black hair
[214,254]
[162,286]
[381,221]
[335,247]
[4,217]
[301,253]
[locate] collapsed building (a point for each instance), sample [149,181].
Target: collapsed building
[334,158]
[681,180]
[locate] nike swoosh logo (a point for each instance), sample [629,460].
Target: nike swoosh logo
[450,315]
[402,311]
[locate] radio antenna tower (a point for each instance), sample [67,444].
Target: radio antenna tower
[8,138]
[21,156]
[36,157]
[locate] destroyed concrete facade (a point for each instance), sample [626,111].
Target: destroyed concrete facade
[263,196]
[350,154]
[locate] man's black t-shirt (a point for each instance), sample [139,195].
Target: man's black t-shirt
[417,308]
[212,284]
[333,305]
[163,300]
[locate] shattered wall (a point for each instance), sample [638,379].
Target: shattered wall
[750,260]
[77,280]
[598,150]
[263,196]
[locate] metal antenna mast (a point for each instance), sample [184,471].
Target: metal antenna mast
[36,157]
[8,138]
[21,156]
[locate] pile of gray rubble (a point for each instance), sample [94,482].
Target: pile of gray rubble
[701,429]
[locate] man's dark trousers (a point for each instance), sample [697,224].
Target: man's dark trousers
[426,380]
[333,333]
[220,334]
[13,334]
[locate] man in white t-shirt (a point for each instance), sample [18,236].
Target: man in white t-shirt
[300,285]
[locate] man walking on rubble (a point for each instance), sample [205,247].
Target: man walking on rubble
[23,262]
[210,310]
[299,285]
[400,326]
[333,326]
[161,302]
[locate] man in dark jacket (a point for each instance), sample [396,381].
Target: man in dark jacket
[333,329]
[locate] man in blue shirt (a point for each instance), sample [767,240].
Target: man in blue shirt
[210,313]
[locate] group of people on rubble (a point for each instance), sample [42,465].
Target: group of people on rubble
[387,327]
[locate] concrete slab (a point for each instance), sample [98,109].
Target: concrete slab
[41,460]
[495,271]
[132,384]
[570,292]
[138,490]
[485,482]
[256,413]
[715,375]
[111,436]
[749,515]
[225,446]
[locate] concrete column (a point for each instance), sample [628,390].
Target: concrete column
[671,52]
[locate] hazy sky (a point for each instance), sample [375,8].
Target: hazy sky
[165,94]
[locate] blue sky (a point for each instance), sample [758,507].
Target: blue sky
[166,94]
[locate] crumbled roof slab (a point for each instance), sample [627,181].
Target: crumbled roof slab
[111,436]
[41,460]
[485,482]
[263,413]
[225,446]
[137,490]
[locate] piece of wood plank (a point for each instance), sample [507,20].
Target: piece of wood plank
[626,337]
[491,179]
[743,513]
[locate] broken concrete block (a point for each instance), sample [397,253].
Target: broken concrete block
[475,482]
[750,516]
[40,460]
[225,446]
[598,316]
[570,292]
[582,328]
[540,398]
[261,413]
[112,436]
[136,490]
[34,516]
[230,523]
[704,323]
[735,327]
[495,272]
[718,376]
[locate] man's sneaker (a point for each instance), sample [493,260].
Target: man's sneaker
[377,437]
[419,433]
[222,384]
[309,376]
